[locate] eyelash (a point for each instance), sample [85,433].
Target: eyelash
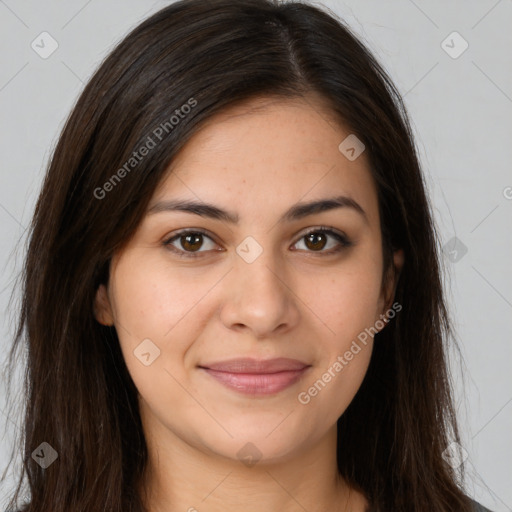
[343,240]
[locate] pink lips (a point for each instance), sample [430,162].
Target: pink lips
[257,377]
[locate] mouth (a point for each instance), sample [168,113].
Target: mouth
[257,377]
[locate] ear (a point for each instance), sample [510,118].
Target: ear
[389,288]
[102,308]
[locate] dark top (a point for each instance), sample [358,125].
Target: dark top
[479,508]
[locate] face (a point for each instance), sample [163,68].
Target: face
[192,290]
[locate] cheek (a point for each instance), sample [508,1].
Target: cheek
[347,299]
[326,396]
[345,352]
[154,308]
[155,301]
[347,309]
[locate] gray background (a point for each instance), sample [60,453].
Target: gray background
[462,115]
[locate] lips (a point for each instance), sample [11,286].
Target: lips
[257,377]
[255,366]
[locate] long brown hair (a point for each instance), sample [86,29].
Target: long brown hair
[80,398]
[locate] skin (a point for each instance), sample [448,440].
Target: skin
[292,301]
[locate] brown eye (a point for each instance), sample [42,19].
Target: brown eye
[188,243]
[317,239]
[191,242]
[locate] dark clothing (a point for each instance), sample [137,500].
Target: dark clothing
[480,508]
[477,507]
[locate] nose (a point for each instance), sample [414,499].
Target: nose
[259,297]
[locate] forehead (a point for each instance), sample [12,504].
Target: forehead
[268,154]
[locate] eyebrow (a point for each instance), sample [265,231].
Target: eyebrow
[296,212]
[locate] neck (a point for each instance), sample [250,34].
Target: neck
[180,477]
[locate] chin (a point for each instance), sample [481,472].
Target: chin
[264,445]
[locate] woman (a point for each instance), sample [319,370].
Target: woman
[232,294]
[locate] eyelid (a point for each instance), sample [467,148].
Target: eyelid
[316,229]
